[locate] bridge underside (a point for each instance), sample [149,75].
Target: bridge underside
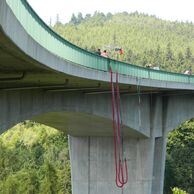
[81,124]
[18,71]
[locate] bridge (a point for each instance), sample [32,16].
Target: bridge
[47,79]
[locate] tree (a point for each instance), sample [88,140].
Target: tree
[73,20]
[88,16]
[188,54]
[176,190]
[157,56]
[49,182]
[170,176]
[109,16]
[79,18]
[57,19]
[35,160]
[169,53]
[180,58]
[180,147]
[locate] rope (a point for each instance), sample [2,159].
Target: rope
[114,130]
[118,143]
[120,135]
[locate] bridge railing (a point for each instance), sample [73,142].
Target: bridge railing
[51,41]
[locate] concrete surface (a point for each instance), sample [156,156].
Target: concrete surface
[92,164]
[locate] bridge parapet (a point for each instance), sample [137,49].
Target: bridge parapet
[55,44]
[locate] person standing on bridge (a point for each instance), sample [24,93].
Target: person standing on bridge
[104,54]
[121,54]
[98,52]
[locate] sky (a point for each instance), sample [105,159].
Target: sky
[180,10]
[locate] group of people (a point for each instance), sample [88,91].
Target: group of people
[119,55]
[118,51]
[102,53]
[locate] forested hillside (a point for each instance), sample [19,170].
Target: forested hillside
[145,39]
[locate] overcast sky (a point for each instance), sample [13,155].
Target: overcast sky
[181,10]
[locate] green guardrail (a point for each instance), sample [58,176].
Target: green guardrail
[51,41]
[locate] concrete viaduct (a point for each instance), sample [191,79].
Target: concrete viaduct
[46,79]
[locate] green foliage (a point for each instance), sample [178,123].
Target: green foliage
[180,158]
[34,160]
[145,39]
[176,190]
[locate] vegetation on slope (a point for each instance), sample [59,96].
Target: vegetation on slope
[180,158]
[34,159]
[145,39]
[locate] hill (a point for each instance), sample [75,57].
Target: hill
[145,39]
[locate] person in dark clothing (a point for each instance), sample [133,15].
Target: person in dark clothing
[98,52]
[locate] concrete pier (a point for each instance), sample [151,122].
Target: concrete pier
[93,172]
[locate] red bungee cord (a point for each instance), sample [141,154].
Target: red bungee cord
[114,130]
[119,137]
[118,150]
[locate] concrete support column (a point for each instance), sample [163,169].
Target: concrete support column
[159,165]
[92,165]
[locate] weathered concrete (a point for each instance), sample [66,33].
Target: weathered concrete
[92,164]
[76,113]
[89,116]
[159,165]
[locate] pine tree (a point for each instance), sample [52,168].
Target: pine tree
[73,19]
[79,18]
[169,54]
[188,53]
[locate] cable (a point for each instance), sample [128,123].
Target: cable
[139,102]
[119,135]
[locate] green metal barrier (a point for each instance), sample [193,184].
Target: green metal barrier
[51,41]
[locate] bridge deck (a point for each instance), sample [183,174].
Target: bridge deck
[32,55]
